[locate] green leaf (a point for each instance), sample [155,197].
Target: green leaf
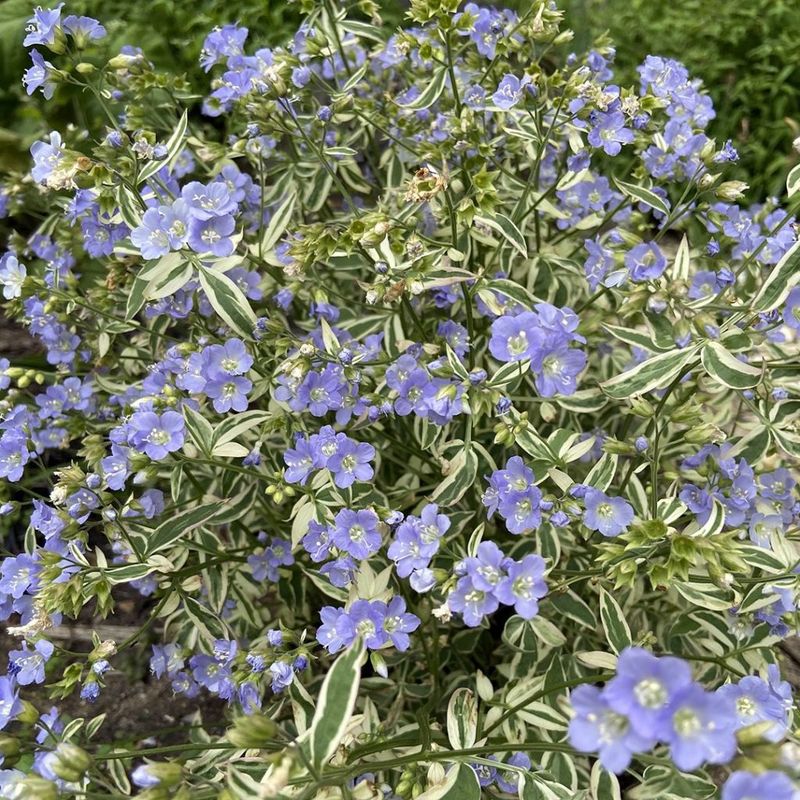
[153,274]
[460,783]
[199,429]
[174,146]
[618,634]
[536,787]
[129,208]
[237,424]
[462,719]
[604,785]
[680,267]
[643,195]
[634,338]
[180,524]
[704,595]
[655,373]
[547,632]
[512,290]
[727,369]
[570,605]
[228,301]
[508,230]
[793,181]
[602,473]
[585,401]
[430,94]
[335,704]
[460,478]
[278,223]
[508,374]
[127,572]
[204,620]
[784,277]
[712,526]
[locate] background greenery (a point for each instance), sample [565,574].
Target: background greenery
[745,51]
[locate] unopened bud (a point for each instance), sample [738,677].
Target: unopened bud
[33,787]
[70,762]
[731,190]
[704,434]
[254,731]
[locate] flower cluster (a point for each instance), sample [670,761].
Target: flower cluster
[654,699]
[400,381]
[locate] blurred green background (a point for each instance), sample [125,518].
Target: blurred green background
[746,52]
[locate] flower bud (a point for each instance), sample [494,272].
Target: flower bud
[547,411]
[705,182]
[704,434]
[33,787]
[620,448]
[85,68]
[252,732]
[729,191]
[9,750]
[29,713]
[70,762]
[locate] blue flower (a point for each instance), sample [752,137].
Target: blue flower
[19,574]
[515,338]
[754,701]
[700,728]
[523,586]
[611,516]
[609,132]
[14,455]
[155,435]
[83,30]
[341,571]
[597,727]
[337,630]
[416,540]
[10,704]
[508,780]
[44,27]
[368,618]
[144,778]
[39,76]
[166,660]
[228,393]
[212,235]
[644,688]
[559,371]
[116,467]
[398,623]
[510,91]
[300,461]
[282,676]
[221,44]
[645,262]
[791,311]
[206,201]
[163,228]
[356,533]
[769,785]
[351,463]
[12,274]
[472,603]
[47,156]
[27,666]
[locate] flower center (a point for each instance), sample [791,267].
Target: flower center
[650,692]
